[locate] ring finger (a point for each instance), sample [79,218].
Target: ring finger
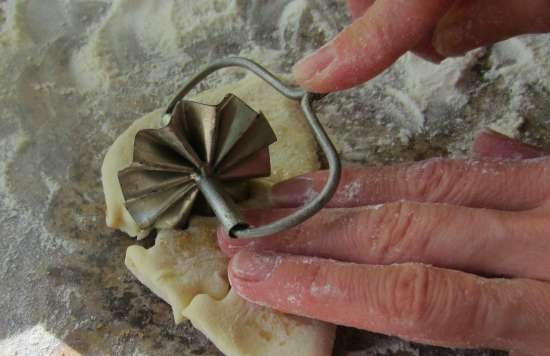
[475,240]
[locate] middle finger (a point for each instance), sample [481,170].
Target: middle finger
[473,240]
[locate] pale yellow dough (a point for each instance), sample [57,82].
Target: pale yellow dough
[186,268]
[181,265]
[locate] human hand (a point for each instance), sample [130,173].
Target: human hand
[417,264]
[383,30]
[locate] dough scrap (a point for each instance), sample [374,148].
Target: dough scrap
[186,268]
[182,264]
[253,330]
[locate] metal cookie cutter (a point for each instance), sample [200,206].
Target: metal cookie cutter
[213,149]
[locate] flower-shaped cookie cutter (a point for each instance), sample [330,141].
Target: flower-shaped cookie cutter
[219,146]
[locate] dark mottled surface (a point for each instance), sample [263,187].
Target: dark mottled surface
[61,268]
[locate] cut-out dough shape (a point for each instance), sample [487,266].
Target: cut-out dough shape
[187,270]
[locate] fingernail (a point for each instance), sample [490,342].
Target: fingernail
[296,190]
[252,266]
[306,69]
[228,245]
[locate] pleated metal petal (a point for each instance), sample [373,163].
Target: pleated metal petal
[235,119]
[200,123]
[150,151]
[258,135]
[139,182]
[179,213]
[254,166]
[148,208]
[228,142]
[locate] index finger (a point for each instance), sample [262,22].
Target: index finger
[370,44]
[414,301]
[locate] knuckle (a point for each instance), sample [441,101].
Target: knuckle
[477,310]
[420,297]
[408,294]
[354,233]
[460,303]
[395,232]
[435,179]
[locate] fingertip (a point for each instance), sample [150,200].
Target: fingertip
[484,140]
[468,25]
[426,50]
[369,45]
[448,33]
[249,274]
[237,284]
[229,246]
[292,192]
[434,58]
[252,266]
[308,71]
[491,144]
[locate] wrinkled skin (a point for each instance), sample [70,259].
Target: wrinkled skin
[445,252]
[408,250]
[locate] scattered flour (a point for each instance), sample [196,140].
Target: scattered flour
[35,341]
[71,85]
[351,190]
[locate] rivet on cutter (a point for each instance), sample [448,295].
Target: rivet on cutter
[213,150]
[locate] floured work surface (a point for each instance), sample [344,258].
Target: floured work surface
[75,74]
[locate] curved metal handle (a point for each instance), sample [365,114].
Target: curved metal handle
[306,99]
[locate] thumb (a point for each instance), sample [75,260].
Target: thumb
[472,24]
[370,44]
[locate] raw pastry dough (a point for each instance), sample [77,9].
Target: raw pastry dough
[182,264]
[186,268]
[238,327]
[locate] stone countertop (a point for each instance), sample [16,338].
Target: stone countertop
[73,78]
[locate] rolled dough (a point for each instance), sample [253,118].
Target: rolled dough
[186,268]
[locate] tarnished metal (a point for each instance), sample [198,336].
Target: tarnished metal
[216,153]
[209,149]
[306,99]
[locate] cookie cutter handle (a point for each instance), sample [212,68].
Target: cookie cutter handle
[306,99]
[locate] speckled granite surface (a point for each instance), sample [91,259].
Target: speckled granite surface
[75,74]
